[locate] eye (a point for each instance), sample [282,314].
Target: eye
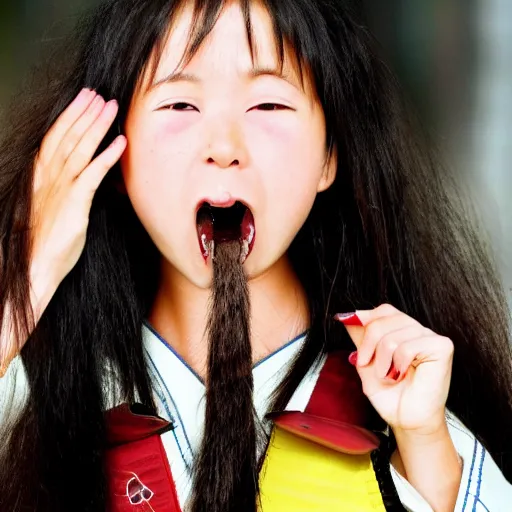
[271,107]
[180,106]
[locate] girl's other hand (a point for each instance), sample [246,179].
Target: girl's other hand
[404,367]
[405,370]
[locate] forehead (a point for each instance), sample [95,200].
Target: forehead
[229,43]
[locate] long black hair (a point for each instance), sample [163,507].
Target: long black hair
[390,229]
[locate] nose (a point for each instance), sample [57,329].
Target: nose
[226,145]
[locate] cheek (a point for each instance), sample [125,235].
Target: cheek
[289,162]
[174,124]
[280,127]
[289,157]
[140,172]
[158,152]
[149,178]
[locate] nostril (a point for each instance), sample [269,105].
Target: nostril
[233,163]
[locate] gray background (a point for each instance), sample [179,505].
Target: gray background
[454,58]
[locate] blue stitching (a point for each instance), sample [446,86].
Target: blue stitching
[470,477]
[169,347]
[179,447]
[166,406]
[150,327]
[297,338]
[477,495]
[181,422]
[175,408]
[159,391]
[477,500]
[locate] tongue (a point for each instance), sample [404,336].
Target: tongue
[225,235]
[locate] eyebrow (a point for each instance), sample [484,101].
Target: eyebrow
[254,73]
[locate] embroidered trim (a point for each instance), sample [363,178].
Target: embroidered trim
[159,381]
[470,477]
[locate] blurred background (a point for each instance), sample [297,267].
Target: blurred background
[453,57]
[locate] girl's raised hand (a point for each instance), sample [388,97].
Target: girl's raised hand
[404,367]
[65,180]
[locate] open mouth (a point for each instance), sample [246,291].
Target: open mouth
[216,225]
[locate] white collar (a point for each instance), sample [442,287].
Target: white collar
[180,397]
[180,388]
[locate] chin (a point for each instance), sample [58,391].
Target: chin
[201,278]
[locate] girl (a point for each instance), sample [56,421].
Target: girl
[264,177]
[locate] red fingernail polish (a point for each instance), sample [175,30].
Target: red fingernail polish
[352,358]
[393,374]
[348,319]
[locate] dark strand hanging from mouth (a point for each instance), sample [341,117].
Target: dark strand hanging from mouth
[226,473]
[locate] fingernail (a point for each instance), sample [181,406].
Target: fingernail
[96,102]
[352,358]
[112,106]
[393,373]
[118,141]
[83,94]
[349,319]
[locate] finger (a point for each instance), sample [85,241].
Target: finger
[64,122]
[80,128]
[76,134]
[92,176]
[356,321]
[71,139]
[84,151]
[389,343]
[422,350]
[366,316]
[377,329]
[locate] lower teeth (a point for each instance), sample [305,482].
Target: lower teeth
[245,251]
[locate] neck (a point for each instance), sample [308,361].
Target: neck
[279,312]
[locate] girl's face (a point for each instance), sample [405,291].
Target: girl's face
[224,128]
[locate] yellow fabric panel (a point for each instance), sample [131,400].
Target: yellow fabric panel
[299,475]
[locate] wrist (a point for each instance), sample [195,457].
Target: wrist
[436,430]
[424,443]
[428,460]
[43,285]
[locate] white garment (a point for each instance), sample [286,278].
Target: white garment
[180,398]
